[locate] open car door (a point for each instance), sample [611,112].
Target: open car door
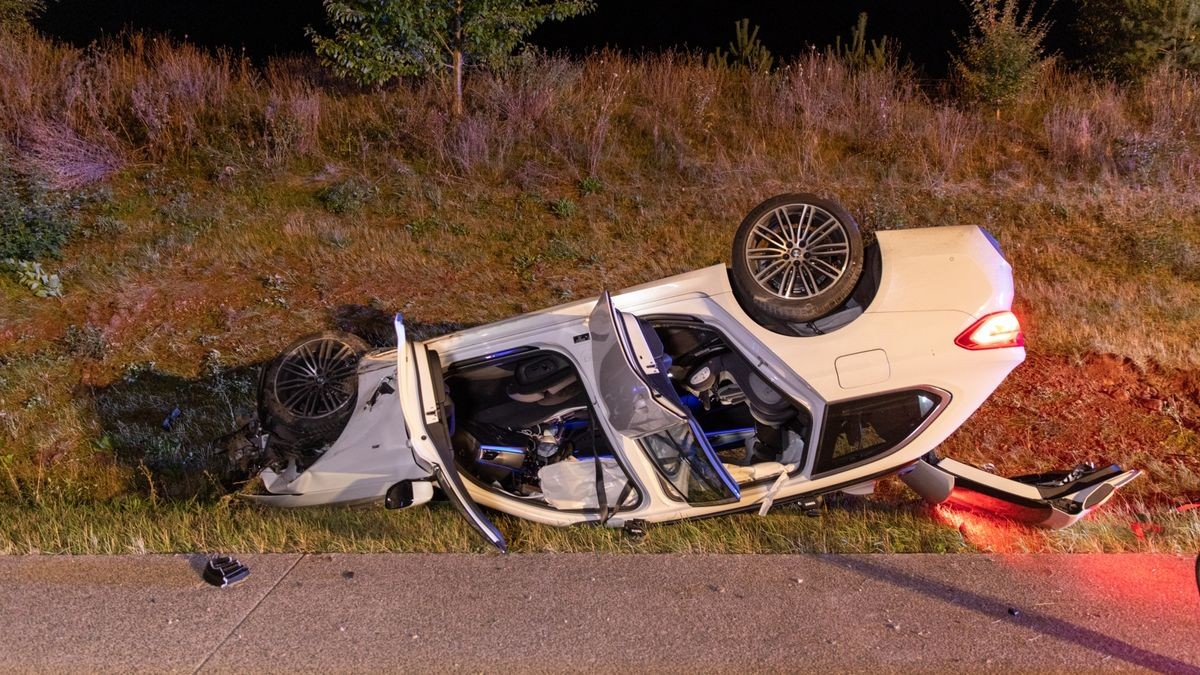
[631,372]
[427,413]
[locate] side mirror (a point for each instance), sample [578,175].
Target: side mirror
[399,496]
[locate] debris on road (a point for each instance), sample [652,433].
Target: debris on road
[223,571]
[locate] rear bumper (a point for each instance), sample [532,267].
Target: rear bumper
[1049,500]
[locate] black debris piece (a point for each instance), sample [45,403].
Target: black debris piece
[169,421]
[222,571]
[812,505]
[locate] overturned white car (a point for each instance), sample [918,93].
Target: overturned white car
[814,364]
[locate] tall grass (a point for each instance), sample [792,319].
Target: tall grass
[144,99]
[135,526]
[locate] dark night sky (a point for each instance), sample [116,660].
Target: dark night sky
[925,28]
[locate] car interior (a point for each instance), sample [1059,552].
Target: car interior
[524,427]
[753,427]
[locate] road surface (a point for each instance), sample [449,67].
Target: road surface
[602,613]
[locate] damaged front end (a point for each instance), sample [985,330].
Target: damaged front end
[355,450]
[1053,500]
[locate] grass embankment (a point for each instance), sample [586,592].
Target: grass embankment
[134,526]
[213,211]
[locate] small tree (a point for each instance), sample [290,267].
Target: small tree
[864,55]
[1127,38]
[15,15]
[375,41]
[1002,55]
[745,50]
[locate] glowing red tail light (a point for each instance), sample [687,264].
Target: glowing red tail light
[994,331]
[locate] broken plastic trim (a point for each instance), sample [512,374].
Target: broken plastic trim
[940,480]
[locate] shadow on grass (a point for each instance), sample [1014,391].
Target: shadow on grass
[164,426]
[169,428]
[375,325]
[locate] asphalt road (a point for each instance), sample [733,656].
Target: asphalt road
[602,613]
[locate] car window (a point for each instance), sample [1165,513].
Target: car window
[686,465]
[631,370]
[866,428]
[634,407]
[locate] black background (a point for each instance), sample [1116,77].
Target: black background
[261,28]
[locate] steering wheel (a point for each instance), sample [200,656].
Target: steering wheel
[702,352]
[701,377]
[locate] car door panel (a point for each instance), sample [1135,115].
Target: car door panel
[426,415]
[631,370]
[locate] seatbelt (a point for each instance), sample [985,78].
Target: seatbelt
[624,495]
[769,498]
[601,496]
[620,501]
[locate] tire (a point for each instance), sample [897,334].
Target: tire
[308,392]
[801,269]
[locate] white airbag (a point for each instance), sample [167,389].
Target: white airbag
[571,483]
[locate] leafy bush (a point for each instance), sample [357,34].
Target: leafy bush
[34,221]
[1002,56]
[348,196]
[375,41]
[1128,38]
[32,276]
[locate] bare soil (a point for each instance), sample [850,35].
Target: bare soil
[1054,412]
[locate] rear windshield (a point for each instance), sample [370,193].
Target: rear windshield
[862,429]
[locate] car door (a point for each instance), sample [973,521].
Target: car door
[630,370]
[426,411]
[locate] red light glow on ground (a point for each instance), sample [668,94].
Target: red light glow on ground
[1099,583]
[981,531]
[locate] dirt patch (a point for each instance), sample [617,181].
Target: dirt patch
[1054,412]
[1173,392]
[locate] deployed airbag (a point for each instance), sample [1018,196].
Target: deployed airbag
[571,483]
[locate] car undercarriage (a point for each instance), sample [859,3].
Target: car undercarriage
[817,363]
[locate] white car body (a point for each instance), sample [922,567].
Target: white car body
[933,285]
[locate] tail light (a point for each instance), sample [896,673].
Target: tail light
[994,331]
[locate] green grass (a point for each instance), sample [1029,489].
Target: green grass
[135,525]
